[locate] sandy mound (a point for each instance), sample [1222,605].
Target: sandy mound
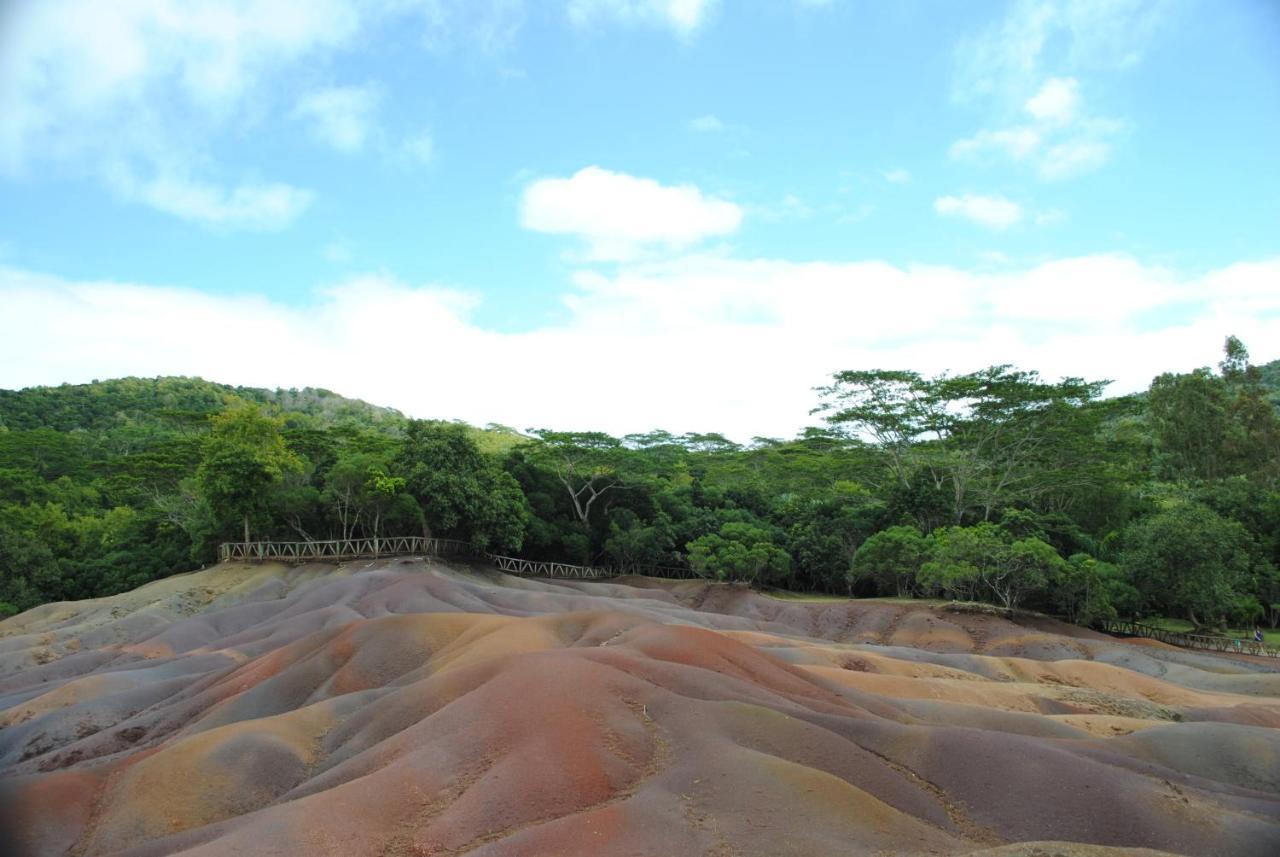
[407,708]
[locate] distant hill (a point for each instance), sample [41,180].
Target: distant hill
[103,405]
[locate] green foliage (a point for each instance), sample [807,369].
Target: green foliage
[244,458]
[891,561]
[971,486]
[1189,560]
[985,562]
[740,551]
[462,493]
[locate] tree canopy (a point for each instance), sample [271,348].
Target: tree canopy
[996,485]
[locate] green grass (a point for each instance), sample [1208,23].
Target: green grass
[1270,636]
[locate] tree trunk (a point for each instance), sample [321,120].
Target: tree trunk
[246,529]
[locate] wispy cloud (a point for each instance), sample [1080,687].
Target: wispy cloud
[1007,60]
[684,17]
[1061,142]
[91,86]
[254,206]
[707,124]
[1031,60]
[896,176]
[993,212]
[341,116]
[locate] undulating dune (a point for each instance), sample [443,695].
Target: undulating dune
[411,707]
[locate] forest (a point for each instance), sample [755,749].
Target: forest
[996,486]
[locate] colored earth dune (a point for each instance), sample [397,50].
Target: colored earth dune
[405,707]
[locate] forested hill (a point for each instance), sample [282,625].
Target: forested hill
[105,405]
[995,485]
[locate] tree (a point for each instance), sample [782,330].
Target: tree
[585,462]
[891,559]
[824,530]
[462,493]
[244,457]
[983,561]
[1087,589]
[739,551]
[634,544]
[984,437]
[1188,415]
[1210,427]
[1190,560]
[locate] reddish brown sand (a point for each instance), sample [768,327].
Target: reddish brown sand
[408,708]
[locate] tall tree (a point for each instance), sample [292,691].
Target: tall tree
[244,456]
[463,493]
[587,464]
[1188,559]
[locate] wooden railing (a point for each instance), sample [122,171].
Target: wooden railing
[1188,641]
[340,549]
[344,549]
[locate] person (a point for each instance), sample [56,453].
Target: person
[1257,635]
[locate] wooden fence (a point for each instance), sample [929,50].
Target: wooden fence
[344,549]
[340,549]
[1188,641]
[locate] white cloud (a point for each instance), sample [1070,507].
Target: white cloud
[781,326]
[1007,59]
[341,116]
[139,87]
[490,25]
[896,176]
[621,216]
[1062,144]
[1056,102]
[255,206]
[1029,60]
[706,124]
[1017,143]
[994,212]
[682,16]
[78,74]
[1073,158]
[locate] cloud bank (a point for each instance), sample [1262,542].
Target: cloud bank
[692,343]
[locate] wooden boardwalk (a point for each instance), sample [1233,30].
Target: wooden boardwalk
[345,549]
[1207,642]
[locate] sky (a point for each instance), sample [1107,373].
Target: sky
[633,214]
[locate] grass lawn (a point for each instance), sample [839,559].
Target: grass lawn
[1270,636]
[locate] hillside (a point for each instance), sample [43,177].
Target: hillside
[103,405]
[406,707]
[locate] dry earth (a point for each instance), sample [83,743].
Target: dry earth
[404,707]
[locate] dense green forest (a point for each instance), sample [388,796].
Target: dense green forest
[996,486]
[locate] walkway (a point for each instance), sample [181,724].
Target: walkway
[1188,641]
[345,549]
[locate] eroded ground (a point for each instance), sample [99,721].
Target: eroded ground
[408,708]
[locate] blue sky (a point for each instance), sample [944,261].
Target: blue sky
[633,213]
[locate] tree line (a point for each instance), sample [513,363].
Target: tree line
[995,486]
